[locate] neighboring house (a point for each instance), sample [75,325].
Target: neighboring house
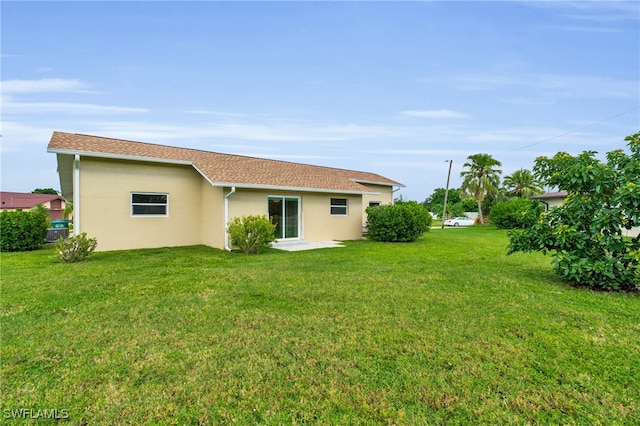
[555,199]
[12,201]
[551,199]
[140,195]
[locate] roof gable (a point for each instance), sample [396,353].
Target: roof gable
[223,169]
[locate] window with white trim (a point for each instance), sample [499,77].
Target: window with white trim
[149,204]
[339,207]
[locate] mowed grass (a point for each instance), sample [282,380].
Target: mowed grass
[447,330]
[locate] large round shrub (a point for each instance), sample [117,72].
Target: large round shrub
[519,213]
[23,230]
[400,222]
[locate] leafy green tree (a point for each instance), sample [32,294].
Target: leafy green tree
[435,201]
[585,233]
[45,191]
[481,178]
[522,184]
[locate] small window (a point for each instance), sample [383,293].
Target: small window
[149,204]
[338,206]
[374,203]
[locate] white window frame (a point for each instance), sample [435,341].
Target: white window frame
[131,204]
[339,206]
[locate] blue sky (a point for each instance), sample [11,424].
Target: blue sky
[395,88]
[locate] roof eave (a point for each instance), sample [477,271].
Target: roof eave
[119,156]
[294,188]
[371,182]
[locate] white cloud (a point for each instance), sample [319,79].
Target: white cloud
[255,131]
[555,85]
[43,85]
[434,113]
[66,108]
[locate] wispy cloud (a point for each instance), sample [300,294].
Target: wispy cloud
[594,11]
[44,85]
[555,85]
[434,113]
[9,106]
[245,130]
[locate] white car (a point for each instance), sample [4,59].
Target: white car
[459,221]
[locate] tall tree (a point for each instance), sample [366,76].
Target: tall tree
[522,184]
[481,177]
[45,191]
[584,235]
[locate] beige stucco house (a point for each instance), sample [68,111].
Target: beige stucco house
[141,195]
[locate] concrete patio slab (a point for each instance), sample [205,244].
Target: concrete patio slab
[305,245]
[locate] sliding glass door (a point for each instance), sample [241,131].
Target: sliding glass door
[284,212]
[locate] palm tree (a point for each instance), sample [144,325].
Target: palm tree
[522,184]
[481,177]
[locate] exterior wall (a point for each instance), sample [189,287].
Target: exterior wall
[317,223]
[195,208]
[385,197]
[554,202]
[105,211]
[212,215]
[320,225]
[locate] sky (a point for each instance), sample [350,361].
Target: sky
[394,88]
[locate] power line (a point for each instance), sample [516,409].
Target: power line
[572,131]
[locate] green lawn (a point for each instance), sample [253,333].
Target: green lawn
[447,330]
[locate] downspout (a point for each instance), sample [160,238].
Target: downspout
[76,195]
[393,191]
[226,218]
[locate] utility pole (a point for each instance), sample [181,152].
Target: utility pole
[446,192]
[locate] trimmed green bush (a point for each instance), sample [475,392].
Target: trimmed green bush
[519,213]
[22,230]
[399,222]
[251,234]
[76,248]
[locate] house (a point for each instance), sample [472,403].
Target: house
[140,195]
[555,199]
[551,199]
[12,201]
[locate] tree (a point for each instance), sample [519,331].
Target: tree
[522,184]
[585,233]
[481,178]
[45,191]
[436,200]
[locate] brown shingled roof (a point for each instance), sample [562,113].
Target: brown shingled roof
[222,169]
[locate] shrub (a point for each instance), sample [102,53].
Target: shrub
[22,230]
[400,222]
[251,234]
[519,213]
[76,248]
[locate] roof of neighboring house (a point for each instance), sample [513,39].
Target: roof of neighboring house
[222,169]
[548,195]
[21,200]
